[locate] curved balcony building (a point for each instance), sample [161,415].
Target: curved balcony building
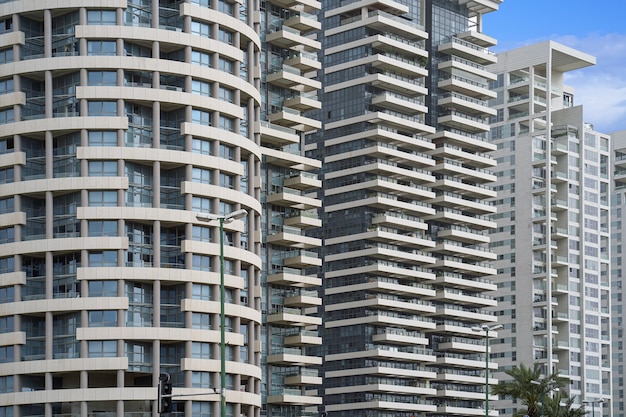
[121,120]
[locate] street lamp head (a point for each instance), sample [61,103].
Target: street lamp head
[235,215]
[487,328]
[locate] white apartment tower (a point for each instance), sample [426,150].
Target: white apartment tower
[618,218]
[552,238]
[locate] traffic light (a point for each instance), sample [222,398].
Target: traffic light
[165,394]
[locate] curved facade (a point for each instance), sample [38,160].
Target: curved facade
[121,120]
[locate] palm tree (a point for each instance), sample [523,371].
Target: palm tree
[530,387]
[560,406]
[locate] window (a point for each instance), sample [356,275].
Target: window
[226,7]
[7,116]
[105,318]
[6,354]
[201,117]
[102,108]
[200,350]
[226,65]
[102,168]
[203,176]
[226,36]
[200,204]
[227,152]
[103,138]
[201,233]
[227,123]
[227,94]
[201,263]
[6,25]
[201,321]
[101,17]
[103,288]
[201,146]
[102,228]
[7,205]
[6,86]
[6,55]
[201,292]
[201,58]
[201,87]
[102,78]
[227,181]
[7,175]
[201,29]
[103,258]
[102,198]
[7,235]
[99,47]
[102,348]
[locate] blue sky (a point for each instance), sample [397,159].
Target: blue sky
[597,28]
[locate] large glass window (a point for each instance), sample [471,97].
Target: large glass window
[102,228]
[103,138]
[201,58]
[201,146]
[102,108]
[201,87]
[102,78]
[102,198]
[102,168]
[101,17]
[103,288]
[201,175]
[6,86]
[103,318]
[201,29]
[100,47]
[7,116]
[102,348]
[201,117]
[103,258]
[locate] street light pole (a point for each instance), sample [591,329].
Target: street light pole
[486,328]
[543,394]
[549,387]
[593,405]
[227,218]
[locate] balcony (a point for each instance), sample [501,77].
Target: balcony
[302,259]
[288,316]
[455,280]
[303,220]
[293,198]
[278,135]
[304,61]
[288,37]
[399,103]
[467,50]
[291,277]
[303,181]
[303,338]
[290,77]
[293,119]
[303,22]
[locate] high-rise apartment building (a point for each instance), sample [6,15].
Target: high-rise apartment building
[405,172]
[120,121]
[618,200]
[552,238]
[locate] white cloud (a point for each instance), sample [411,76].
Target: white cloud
[601,89]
